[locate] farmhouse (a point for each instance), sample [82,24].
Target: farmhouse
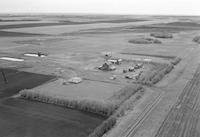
[107,67]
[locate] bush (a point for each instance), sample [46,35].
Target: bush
[196,39]
[101,108]
[176,61]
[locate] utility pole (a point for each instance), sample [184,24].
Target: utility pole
[4,77]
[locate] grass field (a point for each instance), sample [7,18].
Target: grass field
[93,90]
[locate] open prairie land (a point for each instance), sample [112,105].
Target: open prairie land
[132,71]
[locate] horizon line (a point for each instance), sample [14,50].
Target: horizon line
[93,13]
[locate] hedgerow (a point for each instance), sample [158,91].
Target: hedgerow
[111,121]
[154,76]
[104,127]
[124,93]
[104,108]
[98,107]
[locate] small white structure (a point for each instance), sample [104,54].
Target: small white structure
[75,80]
[131,69]
[147,60]
[38,54]
[112,61]
[115,61]
[11,59]
[113,77]
[34,55]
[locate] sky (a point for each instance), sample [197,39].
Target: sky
[152,7]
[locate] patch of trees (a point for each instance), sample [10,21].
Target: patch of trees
[161,35]
[154,76]
[144,41]
[102,108]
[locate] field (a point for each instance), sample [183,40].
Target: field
[19,80]
[129,77]
[20,118]
[184,113]
[87,89]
